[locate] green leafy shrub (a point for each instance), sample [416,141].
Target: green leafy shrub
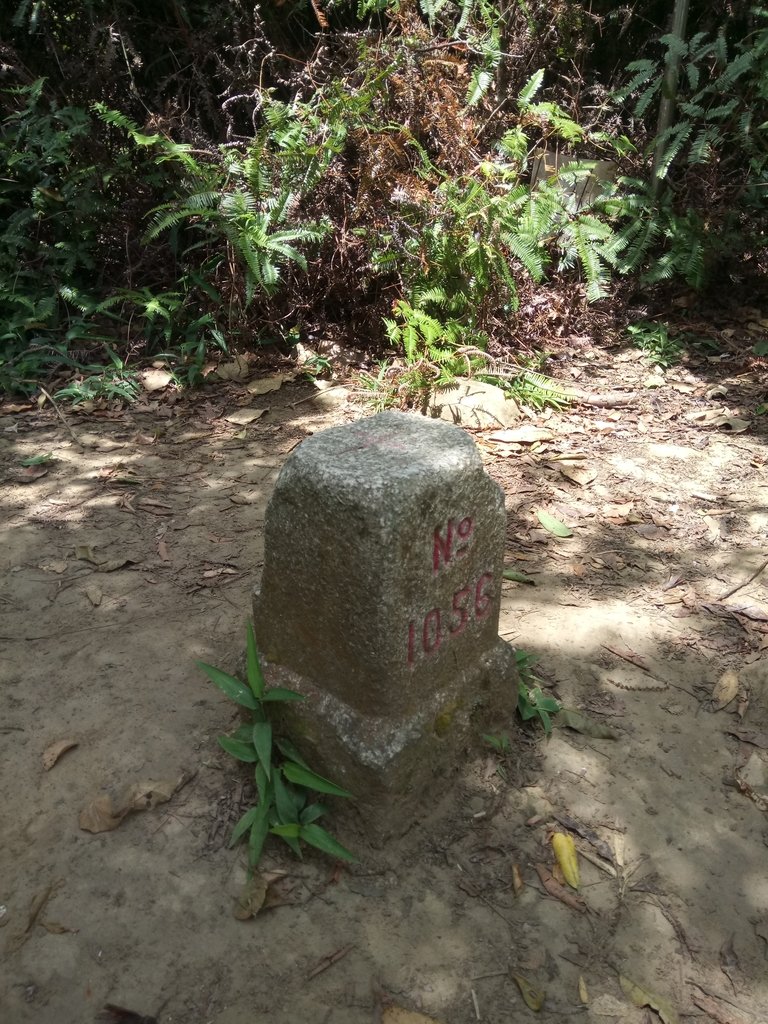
[284,782]
[52,209]
[532,701]
[713,158]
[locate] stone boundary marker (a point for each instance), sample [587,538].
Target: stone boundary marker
[379,601]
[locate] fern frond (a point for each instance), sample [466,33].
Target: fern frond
[530,88]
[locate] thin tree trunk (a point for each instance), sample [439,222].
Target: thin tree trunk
[669,89]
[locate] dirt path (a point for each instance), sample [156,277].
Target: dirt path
[133,556]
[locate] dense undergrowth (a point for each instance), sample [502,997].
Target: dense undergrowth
[401,176]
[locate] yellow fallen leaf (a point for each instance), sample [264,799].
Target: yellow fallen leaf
[725,689]
[534,997]
[583,994]
[565,854]
[641,997]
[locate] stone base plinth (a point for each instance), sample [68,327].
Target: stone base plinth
[396,767]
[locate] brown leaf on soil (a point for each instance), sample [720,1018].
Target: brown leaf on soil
[559,892]
[30,473]
[242,417]
[618,512]
[251,898]
[578,474]
[750,610]
[238,369]
[264,385]
[526,434]
[52,753]
[725,689]
[105,813]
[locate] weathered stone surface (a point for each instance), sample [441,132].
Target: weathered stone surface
[379,601]
[473,403]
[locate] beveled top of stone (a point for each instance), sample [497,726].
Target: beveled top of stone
[370,453]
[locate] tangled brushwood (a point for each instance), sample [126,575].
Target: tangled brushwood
[401,175]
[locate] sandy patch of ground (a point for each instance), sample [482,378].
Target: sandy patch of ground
[134,555]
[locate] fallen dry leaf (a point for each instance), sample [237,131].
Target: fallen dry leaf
[58,929]
[558,891]
[534,997]
[242,417]
[733,424]
[642,997]
[583,993]
[251,898]
[52,753]
[155,379]
[618,511]
[57,565]
[565,853]
[30,473]
[273,383]
[578,474]
[725,689]
[238,369]
[517,880]
[105,812]
[750,610]
[527,434]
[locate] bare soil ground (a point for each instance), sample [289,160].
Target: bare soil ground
[134,554]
